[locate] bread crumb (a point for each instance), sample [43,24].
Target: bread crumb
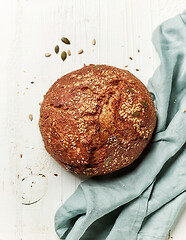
[184,110]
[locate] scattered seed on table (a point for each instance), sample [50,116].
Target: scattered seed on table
[65,40]
[126,66]
[137,69]
[94,41]
[80,51]
[55,174]
[63,55]
[69,52]
[47,54]
[30,117]
[32,82]
[138,50]
[56,49]
[21,155]
[130,58]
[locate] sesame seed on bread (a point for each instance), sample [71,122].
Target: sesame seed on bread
[97,119]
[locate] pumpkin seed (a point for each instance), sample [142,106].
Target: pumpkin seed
[80,51]
[56,49]
[107,160]
[47,54]
[63,55]
[94,41]
[135,114]
[30,117]
[65,40]
[130,90]
[96,66]
[144,104]
[69,52]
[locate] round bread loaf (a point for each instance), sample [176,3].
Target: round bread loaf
[97,119]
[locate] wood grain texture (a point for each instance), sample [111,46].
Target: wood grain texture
[29,29]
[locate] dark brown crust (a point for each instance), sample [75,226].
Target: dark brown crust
[97,119]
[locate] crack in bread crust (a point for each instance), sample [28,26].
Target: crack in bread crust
[97,120]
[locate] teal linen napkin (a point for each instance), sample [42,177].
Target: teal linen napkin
[141,201]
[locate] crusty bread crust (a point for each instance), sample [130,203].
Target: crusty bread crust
[97,119]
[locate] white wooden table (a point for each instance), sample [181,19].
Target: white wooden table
[32,184]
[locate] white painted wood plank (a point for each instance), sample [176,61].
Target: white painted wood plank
[31,28]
